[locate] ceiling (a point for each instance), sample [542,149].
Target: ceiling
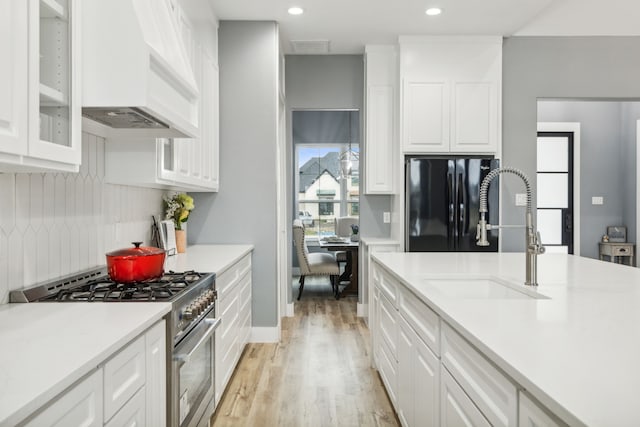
[349,25]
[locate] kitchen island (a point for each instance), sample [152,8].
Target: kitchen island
[573,344]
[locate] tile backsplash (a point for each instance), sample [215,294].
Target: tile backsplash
[55,224]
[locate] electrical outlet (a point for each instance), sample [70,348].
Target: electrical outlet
[521,199]
[597,200]
[386,217]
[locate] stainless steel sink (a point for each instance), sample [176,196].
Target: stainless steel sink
[486,287]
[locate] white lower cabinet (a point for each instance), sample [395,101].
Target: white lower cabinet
[418,379]
[128,389]
[433,376]
[457,409]
[233,308]
[79,406]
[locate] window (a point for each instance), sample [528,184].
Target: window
[322,195]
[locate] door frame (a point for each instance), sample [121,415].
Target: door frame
[637,185]
[574,128]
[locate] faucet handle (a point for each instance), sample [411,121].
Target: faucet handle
[539,248]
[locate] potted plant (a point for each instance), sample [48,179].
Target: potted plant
[354,233]
[177,208]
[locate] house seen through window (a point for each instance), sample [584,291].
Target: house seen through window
[323,193]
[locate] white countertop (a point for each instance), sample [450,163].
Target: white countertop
[577,352]
[46,347]
[207,258]
[378,241]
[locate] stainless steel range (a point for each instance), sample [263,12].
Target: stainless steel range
[190,329]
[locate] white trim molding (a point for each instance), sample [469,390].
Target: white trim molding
[573,127]
[265,334]
[289,310]
[362,310]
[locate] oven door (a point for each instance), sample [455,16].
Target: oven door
[193,371]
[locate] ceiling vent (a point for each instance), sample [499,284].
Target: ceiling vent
[310,47]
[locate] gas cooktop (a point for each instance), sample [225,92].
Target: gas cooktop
[96,286]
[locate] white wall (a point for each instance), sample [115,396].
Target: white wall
[55,224]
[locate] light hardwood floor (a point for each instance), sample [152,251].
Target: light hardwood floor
[318,375]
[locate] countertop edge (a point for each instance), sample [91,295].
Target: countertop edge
[38,402]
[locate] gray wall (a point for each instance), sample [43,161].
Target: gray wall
[555,67]
[603,162]
[244,210]
[333,82]
[630,116]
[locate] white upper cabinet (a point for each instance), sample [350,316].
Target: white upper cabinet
[13,77]
[40,89]
[380,128]
[181,164]
[451,94]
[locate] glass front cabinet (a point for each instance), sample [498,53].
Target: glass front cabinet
[40,117]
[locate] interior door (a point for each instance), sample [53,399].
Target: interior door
[554,213]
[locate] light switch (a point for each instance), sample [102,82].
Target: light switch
[597,200]
[386,217]
[521,199]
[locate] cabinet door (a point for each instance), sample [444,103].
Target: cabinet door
[475,125]
[13,77]
[124,374]
[210,124]
[418,379]
[156,370]
[426,377]
[54,81]
[133,413]
[379,140]
[456,408]
[426,116]
[532,415]
[80,406]
[406,358]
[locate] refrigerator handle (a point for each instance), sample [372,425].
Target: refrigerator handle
[450,200]
[460,202]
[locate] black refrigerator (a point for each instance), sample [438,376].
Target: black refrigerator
[442,196]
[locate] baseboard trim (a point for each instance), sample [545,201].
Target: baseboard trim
[265,334]
[362,310]
[289,310]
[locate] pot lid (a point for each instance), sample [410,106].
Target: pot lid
[137,251]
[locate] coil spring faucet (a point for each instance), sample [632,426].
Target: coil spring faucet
[532,237]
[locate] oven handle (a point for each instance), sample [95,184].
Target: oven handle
[184,357]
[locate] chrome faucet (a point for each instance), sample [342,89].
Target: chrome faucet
[532,237]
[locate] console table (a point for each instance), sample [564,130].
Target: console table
[617,252]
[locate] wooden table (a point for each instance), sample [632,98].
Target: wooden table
[352,261]
[617,251]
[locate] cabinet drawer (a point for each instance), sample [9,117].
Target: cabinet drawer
[533,415]
[132,414]
[81,405]
[621,250]
[124,374]
[231,277]
[424,321]
[388,325]
[456,409]
[387,285]
[491,391]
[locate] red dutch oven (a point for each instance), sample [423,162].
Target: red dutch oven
[135,264]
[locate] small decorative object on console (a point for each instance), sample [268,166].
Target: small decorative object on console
[354,230]
[617,233]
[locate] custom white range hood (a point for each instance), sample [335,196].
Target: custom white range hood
[137,78]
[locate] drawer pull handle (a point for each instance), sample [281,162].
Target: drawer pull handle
[622,250]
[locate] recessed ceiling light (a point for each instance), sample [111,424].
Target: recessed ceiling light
[295,11]
[433,11]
